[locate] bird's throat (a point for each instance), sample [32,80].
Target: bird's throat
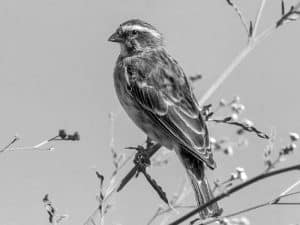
[124,51]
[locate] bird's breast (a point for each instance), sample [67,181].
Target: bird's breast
[134,110]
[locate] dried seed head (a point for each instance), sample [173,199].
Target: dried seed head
[241,174]
[248,123]
[294,136]
[236,99]
[244,221]
[228,150]
[17,137]
[224,221]
[237,107]
[240,221]
[234,116]
[62,133]
[222,102]
[288,149]
[212,140]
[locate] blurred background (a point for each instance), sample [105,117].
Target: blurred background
[56,72]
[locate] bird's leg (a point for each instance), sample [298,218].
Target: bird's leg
[142,157]
[141,160]
[149,143]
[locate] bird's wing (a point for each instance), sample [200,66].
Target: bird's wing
[160,87]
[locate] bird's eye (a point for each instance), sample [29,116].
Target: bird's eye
[134,32]
[119,32]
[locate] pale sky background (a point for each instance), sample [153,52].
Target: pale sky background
[56,72]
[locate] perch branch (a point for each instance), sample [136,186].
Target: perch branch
[275,201]
[235,189]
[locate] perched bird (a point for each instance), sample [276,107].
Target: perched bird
[157,96]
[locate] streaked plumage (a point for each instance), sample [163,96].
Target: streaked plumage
[156,94]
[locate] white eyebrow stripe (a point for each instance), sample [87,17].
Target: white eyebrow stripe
[140,28]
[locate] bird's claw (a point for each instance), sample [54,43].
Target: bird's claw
[142,159]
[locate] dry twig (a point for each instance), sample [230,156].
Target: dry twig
[53,217]
[235,189]
[62,136]
[292,15]
[276,201]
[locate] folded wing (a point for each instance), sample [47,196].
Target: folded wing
[162,90]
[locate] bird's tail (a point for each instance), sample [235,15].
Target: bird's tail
[203,193]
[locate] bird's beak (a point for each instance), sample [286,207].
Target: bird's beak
[115,37]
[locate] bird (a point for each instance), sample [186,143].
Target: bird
[157,95]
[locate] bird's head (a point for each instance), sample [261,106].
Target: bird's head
[136,35]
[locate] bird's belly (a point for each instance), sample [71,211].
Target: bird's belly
[142,120]
[146,124]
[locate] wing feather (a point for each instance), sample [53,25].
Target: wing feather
[164,93]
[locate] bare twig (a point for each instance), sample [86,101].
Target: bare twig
[235,189]
[175,203]
[292,15]
[285,192]
[284,151]
[195,77]
[258,17]
[240,14]
[242,55]
[53,217]
[15,138]
[62,136]
[243,126]
[275,201]
[105,194]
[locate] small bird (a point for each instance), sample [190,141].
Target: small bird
[157,96]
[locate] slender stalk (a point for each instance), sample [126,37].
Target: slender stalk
[9,144]
[272,202]
[174,203]
[235,62]
[258,17]
[237,213]
[240,14]
[235,189]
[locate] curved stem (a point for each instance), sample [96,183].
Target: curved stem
[235,189]
[235,62]
[255,207]
[258,16]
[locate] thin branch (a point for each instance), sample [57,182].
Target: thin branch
[240,14]
[285,193]
[15,138]
[292,15]
[275,201]
[174,203]
[53,217]
[62,136]
[161,211]
[236,61]
[258,17]
[112,188]
[242,55]
[235,189]
[243,126]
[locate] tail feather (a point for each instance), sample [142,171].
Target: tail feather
[203,193]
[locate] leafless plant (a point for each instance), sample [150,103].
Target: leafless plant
[53,217]
[61,136]
[142,158]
